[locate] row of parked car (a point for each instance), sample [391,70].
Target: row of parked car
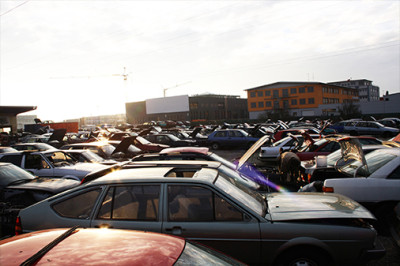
[191,192]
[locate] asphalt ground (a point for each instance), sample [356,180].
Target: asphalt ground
[390,242]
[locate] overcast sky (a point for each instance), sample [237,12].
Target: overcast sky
[68,57]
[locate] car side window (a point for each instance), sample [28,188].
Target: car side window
[198,204]
[34,161]
[221,134]
[137,202]
[14,159]
[79,206]
[395,174]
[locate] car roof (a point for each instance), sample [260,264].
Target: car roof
[202,150]
[96,246]
[147,172]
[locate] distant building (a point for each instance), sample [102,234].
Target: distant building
[366,91]
[23,120]
[208,107]
[298,99]
[8,117]
[389,105]
[113,120]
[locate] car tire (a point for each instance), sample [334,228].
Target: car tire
[306,256]
[215,146]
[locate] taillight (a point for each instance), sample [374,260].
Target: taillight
[309,177]
[328,189]
[18,226]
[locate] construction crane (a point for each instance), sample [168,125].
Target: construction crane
[124,75]
[177,85]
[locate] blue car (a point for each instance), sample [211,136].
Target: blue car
[230,138]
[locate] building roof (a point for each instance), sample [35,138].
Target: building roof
[14,110]
[284,84]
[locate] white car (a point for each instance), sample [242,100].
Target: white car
[272,153]
[54,163]
[374,179]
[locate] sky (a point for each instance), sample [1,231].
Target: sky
[85,58]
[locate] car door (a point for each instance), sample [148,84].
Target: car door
[198,213]
[131,206]
[36,164]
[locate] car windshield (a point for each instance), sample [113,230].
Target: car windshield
[242,193]
[10,173]
[142,140]
[314,146]
[108,149]
[92,157]
[173,137]
[60,158]
[332,158]
[375,160]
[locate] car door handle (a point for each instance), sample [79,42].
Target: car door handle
[104,226]
[176,230]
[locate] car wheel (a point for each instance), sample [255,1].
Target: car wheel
[304,257]
[215,146]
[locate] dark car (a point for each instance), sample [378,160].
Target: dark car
[230,138]
[215,210]
[19,189]
[169,139]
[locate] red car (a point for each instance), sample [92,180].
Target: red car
[78,246]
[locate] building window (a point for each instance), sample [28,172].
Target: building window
[276,94]
[268,103]
[252,94]
[302,101]
[267,93]
[260,104]
[293,90]
[260,94]
[276,104]
[285,93]
[310,100]
[285,104]
[302,90]
[253,105]
[294,101]
[310,89]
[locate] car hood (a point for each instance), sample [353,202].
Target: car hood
[305,206]
[54,185]
[83,167]
[252,150]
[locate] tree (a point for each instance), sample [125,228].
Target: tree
[349,110]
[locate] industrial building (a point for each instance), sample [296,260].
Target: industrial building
[298,99]
[366,91]
[197,108]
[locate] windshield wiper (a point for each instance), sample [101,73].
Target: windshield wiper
[48,247]
[19,181]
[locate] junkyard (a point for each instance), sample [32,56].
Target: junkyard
[277,188]
[200,133]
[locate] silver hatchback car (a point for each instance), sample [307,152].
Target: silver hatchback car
[206,206]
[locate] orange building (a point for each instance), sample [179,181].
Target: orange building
[298,98]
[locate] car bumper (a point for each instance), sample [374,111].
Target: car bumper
[373,254]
